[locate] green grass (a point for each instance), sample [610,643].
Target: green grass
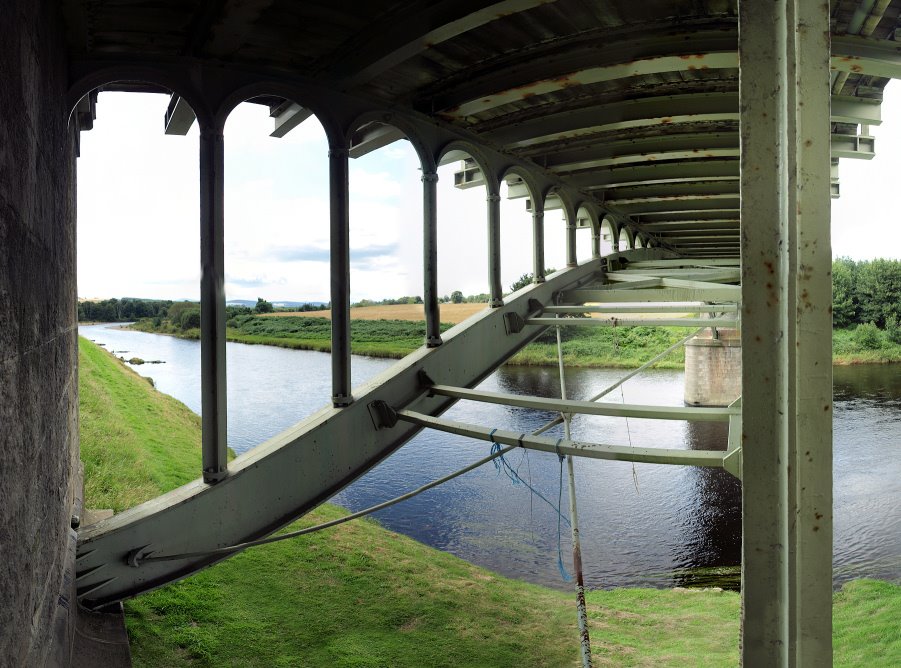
[374,338]
[136,442]
[589,347]
[866,631]
[600,347]
[622,347]
[360,596]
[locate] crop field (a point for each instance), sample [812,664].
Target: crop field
[450,313]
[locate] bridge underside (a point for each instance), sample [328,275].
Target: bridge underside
[701,140]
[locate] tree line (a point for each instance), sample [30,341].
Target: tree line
[866,291]
[122,310]
[863,292]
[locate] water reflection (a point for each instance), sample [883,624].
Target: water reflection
[711,548]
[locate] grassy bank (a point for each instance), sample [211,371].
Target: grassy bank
[623,347]
[359,595]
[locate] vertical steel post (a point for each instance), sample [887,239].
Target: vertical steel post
[212,305]
[495,290]
[596,242]
[339,210]
[786,334]
[810,327]
[430,259]
[537,242]
[571,257]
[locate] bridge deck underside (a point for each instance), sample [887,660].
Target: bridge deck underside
[630,117]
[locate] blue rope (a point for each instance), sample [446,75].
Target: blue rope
[502,465]
[563,574]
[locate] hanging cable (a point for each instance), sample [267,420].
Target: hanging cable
[497,451]
[584,640]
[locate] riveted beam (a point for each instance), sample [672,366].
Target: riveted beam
[786,334]
[592,75]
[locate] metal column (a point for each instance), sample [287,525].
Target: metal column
[786,334]
[537,243]
[571,258]
[430,259]
[495,290]
[596,243]
[339,216]
[212,305]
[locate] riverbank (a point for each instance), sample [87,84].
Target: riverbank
[587,347]
[359,595]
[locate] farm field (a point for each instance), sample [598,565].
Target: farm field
[450,313]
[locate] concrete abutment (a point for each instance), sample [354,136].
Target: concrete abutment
[713,368]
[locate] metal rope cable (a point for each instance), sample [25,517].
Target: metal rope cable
[500,452]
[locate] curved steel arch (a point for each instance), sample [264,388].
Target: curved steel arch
[630,237]
[492,181]
[299,95]
[569,218]
[171,80]
[386,117]
[591,209]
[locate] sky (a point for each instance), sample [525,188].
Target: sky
[138,211]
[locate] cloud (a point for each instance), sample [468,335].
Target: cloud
[313,254]
[298,254]
[254,281]
[365,184]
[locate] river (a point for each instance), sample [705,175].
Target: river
[641,524]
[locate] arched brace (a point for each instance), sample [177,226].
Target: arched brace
[330,125]
[481,159]
[172,80]
[595,215]
[387,118]
[569,216]
[335,127]
[610,232]
[493,210]
[536,198]
[429,177]
[212,283]
[586,210]
[630,238]
[528,180]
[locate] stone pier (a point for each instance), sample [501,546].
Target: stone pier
[713,368]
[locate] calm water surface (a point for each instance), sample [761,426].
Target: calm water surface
[641,524]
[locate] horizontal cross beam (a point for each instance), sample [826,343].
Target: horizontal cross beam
[640,322]
[567,447]
[691,413]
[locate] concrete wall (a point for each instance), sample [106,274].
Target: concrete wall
[38,383]
[713,369]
